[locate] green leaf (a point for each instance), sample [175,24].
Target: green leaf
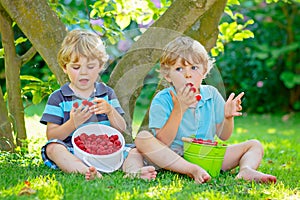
[20,40]
[233,2]
[287,78]
[30,78]
[1,52]
[37,98]
[238,37]
[123,21]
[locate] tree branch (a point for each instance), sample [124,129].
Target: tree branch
[28,55]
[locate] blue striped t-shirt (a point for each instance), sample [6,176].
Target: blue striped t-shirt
[61,101]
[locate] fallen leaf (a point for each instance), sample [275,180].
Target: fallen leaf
[26,191]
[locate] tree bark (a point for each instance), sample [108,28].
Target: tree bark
[6,137]
[12,73]
[183,17]
[42,27]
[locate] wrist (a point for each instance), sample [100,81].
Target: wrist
[110,111]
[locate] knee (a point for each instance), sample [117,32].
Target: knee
[133,151]
[52,148]
[256,145]
[142,137]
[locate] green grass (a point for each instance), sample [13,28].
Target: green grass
[281,140]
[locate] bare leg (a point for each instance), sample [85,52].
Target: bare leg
[134,166]
[247,156]
[69,163]
[165,158]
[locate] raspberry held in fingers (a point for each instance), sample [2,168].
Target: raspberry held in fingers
[198,97]
[193,89]
[75,105]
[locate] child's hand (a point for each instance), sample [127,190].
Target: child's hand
[80,115]
[233,105]
[101,107]
[185,98]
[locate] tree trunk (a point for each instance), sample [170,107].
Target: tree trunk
[12,73]
[6,137]
[42,27]
[46,32]
[181,18]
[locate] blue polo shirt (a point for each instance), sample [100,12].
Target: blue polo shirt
[61,101]
[200,121]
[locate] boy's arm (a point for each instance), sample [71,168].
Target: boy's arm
[232,109]
[114,117]
[77,117]
[116,120]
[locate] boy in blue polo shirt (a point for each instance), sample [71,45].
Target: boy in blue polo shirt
[81,101]
[176,113]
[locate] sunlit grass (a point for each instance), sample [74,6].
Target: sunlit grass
[281,141]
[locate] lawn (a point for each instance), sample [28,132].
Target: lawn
[279,135]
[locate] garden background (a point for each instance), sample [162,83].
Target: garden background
[255,50]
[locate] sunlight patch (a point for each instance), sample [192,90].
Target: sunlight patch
[276,191]
[288,132]
[46,187]
[165,191]
[271,130]
[241,130]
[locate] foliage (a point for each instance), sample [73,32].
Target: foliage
[232,31]
[265,67]
[279,138]
[38,88]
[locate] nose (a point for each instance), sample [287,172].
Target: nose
[187,74]
[83,70]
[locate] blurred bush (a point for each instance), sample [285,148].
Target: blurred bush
[266,67]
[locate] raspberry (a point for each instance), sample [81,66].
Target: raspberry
[189,84]
[75,105]
[85,102]
[198,97]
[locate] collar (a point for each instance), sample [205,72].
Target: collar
[101,88]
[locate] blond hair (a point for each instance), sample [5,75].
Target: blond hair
[188,51]
[81,43]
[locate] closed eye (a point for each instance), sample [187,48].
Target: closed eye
[91,66]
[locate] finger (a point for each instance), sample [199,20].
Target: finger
[236,114]
[240,95]
[230,97]
[98,100]
[172,94]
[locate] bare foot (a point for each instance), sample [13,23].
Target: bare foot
[147,173]
[199,175]
[92,173]
[249,174]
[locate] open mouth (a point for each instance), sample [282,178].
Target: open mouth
[83,81]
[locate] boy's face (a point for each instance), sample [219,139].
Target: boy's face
[180,75]
[83,73]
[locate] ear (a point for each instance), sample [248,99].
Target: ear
[65,69]
[101,67]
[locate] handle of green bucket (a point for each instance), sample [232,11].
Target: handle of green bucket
[185,139]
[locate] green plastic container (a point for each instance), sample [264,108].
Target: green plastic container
[208,157]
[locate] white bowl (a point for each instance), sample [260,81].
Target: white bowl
[104,163]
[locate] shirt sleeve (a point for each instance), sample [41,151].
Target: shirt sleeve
[53,112]
[113,100]
[160,110]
